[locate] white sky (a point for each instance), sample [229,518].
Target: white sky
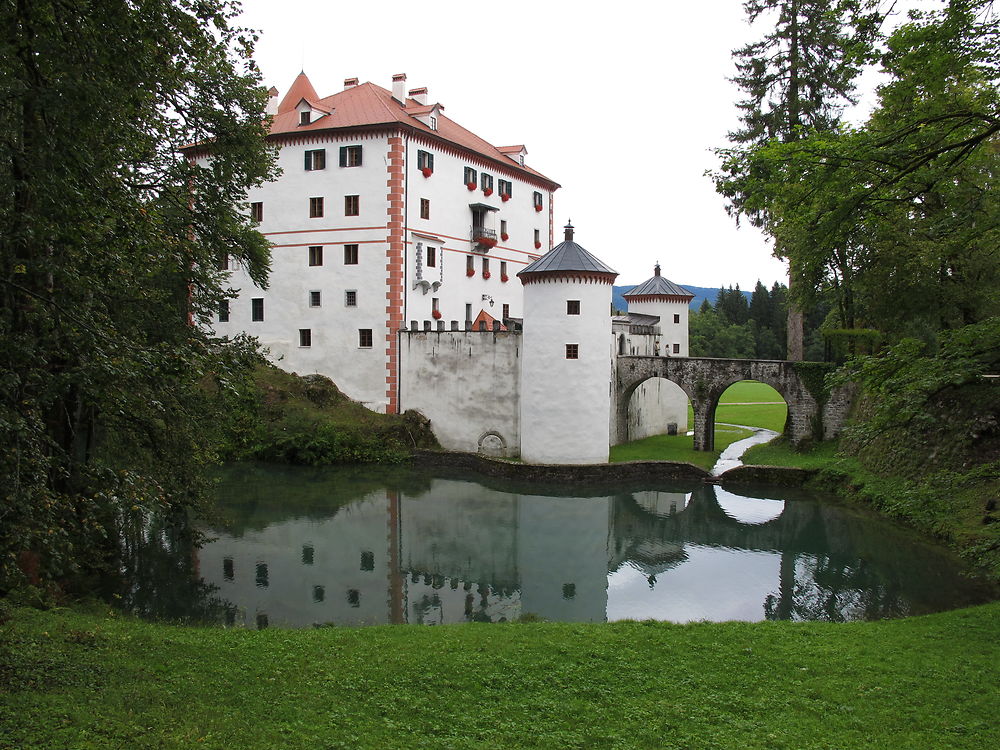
[619,104]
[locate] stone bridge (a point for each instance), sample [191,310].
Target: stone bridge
[704,380]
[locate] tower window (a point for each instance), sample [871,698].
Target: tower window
[316,255]
[257,309]
[572,307]
[677,318]
[305,337]
[350,255]
[315,298]
[315,208]
[365,338]
[352,205]
[257,211]
[572,351]
[351,298]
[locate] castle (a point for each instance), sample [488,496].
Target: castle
[407,253]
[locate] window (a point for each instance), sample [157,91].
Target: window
[305,117]
[261,575]
[315,299]
[365,338]
[354,597]
[425,160]
[486,268]
[503,269]
[223,311]
[572,351]
[536,199]
[316,255]
[520,159]
[506,312]
[257,309]
[538,238]
[435,305]
[315,159]
[504,187]
[368,561]
[222,262]
[351,298]
[350,156]
[486,182]
[307,554]
[319,593]
[572,307]
[503,228]
[432,257]
[469,176]
[434,123]
[305,337]
[227,568]
[315,208]
[257,211]
[352,205]
[569,590]
[468,313]
[677,348]
[350,255]
[425,208]
[470,268]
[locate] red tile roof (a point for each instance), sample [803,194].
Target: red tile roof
[368,104]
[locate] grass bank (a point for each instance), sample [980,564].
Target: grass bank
[70,679]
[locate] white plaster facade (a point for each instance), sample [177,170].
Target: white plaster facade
[401,236]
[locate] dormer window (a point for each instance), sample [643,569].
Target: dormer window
[434,123]
[520,159]
[305,117]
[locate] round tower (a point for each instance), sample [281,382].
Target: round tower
[566,357]
[663,299]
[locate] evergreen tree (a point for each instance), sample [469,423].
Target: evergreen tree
[110,245]
[797,78]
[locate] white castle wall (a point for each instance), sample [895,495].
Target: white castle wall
[566,403]
[467,384]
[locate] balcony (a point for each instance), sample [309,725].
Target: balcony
[483,239]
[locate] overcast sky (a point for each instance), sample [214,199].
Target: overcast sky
[620,104]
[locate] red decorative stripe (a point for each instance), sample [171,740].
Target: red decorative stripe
[395,258]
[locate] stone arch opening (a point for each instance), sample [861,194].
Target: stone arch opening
[736,406]
[656,406]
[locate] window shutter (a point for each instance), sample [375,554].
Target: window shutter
[309,161]
[360,152]
[343,156]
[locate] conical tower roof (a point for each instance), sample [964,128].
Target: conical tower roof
[660,288]
[567,259]
[302,88]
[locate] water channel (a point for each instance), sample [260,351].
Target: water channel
[294,547]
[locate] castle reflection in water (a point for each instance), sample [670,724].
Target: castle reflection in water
[453,550]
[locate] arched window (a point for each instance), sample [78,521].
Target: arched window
[621,343]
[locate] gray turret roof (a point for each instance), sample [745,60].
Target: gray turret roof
[658,286]
[567,256]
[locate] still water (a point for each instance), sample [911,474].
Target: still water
[291,547]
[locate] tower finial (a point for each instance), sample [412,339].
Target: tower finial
[656,268]
[569,230]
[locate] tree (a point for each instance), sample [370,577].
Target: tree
[797,78]
[900,219]
[110,244]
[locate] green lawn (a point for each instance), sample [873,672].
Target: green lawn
[745,403]
[72,680]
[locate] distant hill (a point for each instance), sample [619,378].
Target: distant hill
[700,293]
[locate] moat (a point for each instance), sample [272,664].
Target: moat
[292,547]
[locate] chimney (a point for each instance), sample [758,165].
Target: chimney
[569,231]
[350,83]
[272,102]
[656,269]
[420,95]
[399,88]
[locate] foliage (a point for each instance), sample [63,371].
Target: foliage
[109,245]
[898,219]
[77,680]
[735,329]
[285,418]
